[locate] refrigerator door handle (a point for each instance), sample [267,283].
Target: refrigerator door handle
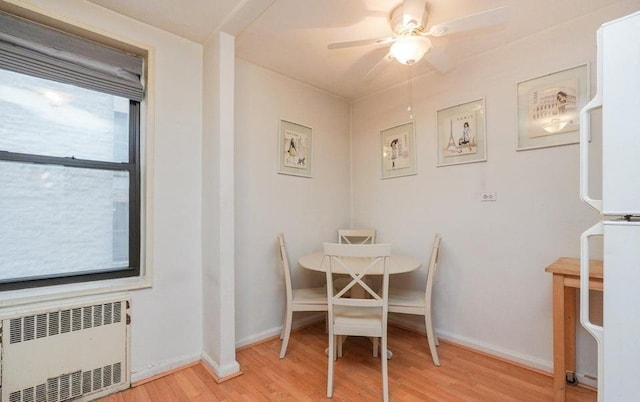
[596,331]
[585,133]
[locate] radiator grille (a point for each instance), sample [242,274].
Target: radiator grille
[76,321]
[65,321]
[97,315]
[69,386]
[86,317]
[38,326]
[41,393]
[29,328]
[15,332]
[117,312]
[54,323]
[41,326]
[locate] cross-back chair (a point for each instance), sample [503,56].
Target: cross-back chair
[349,316]
[419,302]
[356,236]
[301,299]
[353,236]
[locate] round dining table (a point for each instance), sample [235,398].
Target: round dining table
[398,263]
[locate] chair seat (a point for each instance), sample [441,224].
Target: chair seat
[303,299]
[310,296]
[357,321]
[406,298]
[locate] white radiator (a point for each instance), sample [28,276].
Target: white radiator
[77,351]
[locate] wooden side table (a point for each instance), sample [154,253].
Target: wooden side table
[566,282]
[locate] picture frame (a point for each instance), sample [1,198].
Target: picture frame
[398,151]
[462,134]
[549,108]
[294,149]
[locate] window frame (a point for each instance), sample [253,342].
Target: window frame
[133,167]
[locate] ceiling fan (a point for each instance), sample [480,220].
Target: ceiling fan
[410,43]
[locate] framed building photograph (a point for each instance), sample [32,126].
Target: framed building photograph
[294,149]
[461,134]
[398,146]
[549,108]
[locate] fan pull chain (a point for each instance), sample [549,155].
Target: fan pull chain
[409,82]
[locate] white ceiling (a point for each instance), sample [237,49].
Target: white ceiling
[291,36]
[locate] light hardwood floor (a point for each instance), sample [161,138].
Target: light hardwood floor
[464,375]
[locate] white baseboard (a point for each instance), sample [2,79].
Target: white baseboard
[587,380]
[525,360]
[221,371]
[297,323]
[157,369]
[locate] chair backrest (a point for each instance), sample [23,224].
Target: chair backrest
[358,261]
[433,265]
[284,259]
[357,236]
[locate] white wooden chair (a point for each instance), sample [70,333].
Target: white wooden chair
[353,236]
[356,236]
[419,302]
[304,299]
[365,316]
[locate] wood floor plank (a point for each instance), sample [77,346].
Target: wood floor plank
[464,375]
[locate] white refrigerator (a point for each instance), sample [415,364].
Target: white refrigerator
[618,95]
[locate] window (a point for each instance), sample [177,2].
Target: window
[69,158]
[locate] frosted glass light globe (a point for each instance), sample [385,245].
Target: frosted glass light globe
[410,49]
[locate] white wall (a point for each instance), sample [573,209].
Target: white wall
[167,319]
[491,291]
[307,210]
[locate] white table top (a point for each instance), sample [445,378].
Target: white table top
[399,263]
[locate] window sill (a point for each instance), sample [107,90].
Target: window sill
[60,292]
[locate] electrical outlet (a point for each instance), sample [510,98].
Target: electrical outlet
[493,196]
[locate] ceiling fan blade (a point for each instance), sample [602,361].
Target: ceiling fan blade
[484,19]
[439,60]
[361,42]
[413,12]
[378,67]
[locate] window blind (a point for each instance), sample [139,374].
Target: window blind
[30,48]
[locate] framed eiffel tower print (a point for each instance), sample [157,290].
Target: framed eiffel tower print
[461,134]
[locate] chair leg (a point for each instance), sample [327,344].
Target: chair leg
[331,351]
[326,323]
[385,376]
[284,327]
[375,346]
[286,331]
[340,341]
[431,339]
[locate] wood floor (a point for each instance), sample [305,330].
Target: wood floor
[301,376]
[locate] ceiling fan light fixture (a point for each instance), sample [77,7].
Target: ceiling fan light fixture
[410,49]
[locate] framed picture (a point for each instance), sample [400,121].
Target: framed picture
[461,134]
[398,146]
[549,108]
[294,149]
